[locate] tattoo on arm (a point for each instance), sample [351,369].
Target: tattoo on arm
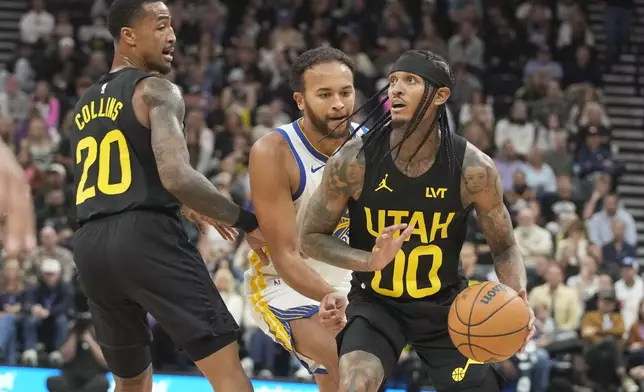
[343,179]
[481,185]
[166,111]
[360,371]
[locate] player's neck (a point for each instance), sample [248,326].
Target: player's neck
[124,60]
[409,150]
[325,145]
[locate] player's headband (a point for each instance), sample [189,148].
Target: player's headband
[423,66]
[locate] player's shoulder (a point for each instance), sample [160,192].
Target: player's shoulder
[474,157]
[272,147]
[158,91]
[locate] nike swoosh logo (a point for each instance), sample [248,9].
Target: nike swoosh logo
[314,169]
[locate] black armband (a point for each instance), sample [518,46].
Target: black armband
[247,221]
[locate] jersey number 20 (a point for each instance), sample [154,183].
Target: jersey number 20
[103,152]
[410,279]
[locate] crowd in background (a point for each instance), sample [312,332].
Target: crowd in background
[528,92]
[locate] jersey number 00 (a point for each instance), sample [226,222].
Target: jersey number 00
[410,279]
[103,152]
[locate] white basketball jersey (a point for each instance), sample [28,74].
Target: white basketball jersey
[311,164]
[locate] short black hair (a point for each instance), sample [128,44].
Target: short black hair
[313,57]
[122,13]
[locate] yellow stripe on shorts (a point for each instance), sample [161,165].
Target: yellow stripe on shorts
[258,284]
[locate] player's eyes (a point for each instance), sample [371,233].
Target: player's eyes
[411,79]
[325,96]
[346,94]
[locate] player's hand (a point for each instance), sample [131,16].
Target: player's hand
[387,246]
[332,311]
[202,222]
[16,206]
[523,293]
[257,243]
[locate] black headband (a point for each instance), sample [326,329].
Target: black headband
[417,63]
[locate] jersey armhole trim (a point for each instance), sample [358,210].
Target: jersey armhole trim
[300,165]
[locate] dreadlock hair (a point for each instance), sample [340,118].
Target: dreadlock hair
[382,126]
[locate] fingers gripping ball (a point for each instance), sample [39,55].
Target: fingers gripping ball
[488,322]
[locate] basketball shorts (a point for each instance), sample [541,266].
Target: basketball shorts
[275,304]
[142,262]
[384,328]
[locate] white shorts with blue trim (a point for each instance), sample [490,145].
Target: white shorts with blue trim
[275,305]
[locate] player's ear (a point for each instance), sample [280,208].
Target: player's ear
[299,99]
[128,36]
[442,95]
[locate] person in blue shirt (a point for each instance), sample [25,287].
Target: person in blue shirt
[618,249]
[593,158]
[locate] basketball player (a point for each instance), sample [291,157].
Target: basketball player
[131,172]
[16,207]
[285,168]
[409,169]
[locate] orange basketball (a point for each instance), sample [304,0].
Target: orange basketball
[488,322]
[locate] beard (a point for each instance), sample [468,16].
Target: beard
[322,127]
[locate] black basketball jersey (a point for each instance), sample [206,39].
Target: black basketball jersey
[114,166]
[427,267]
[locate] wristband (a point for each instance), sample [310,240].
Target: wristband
[246,221]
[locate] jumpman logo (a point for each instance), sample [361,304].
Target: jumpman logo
[459,373]
[383,184]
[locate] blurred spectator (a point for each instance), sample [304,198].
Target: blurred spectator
[517,129]
[539,175]
[225,283]
[47,305]
[573,248]
[629,291]
[600,230]
[12,297]
[559,159]
[562,205]
[84,365]
[617,23]
[635,346]
[543,61]
[507,164]
[617,250]
[604,283]
[49,248]
[533,241]
[583,69]
[14,102]
[564,302]
[586,282]
[465,47]
[37,24]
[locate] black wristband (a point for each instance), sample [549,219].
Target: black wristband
[247,221]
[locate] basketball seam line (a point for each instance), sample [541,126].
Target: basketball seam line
[495,312]
[482,348]
[470,317]
[487,336]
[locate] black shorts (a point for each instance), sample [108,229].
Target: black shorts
[142,262]
[384,328]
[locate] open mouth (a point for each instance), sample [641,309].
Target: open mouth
[338,118]
[167,53]
[398,105]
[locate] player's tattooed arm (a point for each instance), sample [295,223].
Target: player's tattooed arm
[481,186]
[342,179]
[166,112]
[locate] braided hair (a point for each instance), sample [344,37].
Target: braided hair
[435,72]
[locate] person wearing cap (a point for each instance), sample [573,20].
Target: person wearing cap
[593,158]
[47,304]
[629,290]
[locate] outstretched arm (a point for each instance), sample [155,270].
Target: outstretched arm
[270,183]
[166,113]
[342,179]
[481,186]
